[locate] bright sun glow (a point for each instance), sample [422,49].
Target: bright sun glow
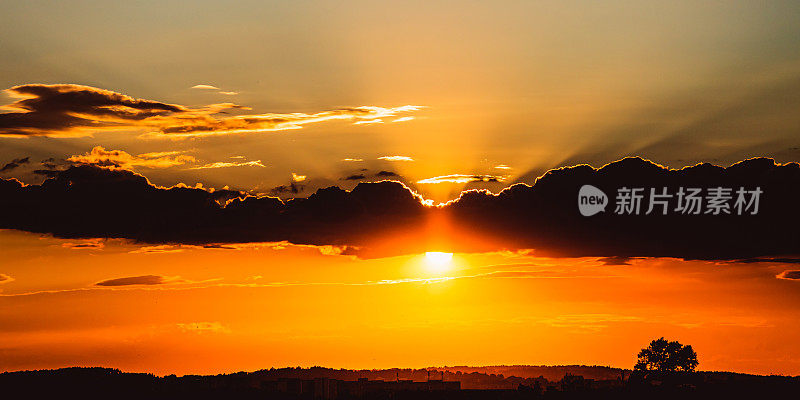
[438,261]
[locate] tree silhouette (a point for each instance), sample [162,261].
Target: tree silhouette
[665,356]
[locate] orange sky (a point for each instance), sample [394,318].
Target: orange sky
[263,305]
[284,98]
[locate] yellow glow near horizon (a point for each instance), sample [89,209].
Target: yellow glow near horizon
[438,261]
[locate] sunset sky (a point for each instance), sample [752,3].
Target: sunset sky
[280,99]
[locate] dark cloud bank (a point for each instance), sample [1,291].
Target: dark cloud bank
[88,201]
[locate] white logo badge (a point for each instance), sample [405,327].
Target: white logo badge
[591,200]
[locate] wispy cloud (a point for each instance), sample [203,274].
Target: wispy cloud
[297,177]
[226,164]
[368,121]
[459,178]
[204,327]
[67,110]
[138,280]
[164,248]
[14,164]
[158,282]
[291,188]
[589,322]
[89,244]
[121,159]
[403,119]
[502,166]
[212,87]
[616,260]
[396,158]
[205,124]
[5,279]
[352,159]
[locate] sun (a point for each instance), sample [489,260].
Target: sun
[438,261]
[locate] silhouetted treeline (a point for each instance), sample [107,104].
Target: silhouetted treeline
[326,383]
[550,372]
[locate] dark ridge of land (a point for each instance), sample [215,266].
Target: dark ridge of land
[550,372]
[460,382]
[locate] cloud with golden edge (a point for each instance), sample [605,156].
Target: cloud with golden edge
[120,159]
[5,279]
[84,198]
[396,158]
[297,177]
[205,87]
[368,122]
[791,275]
[459,178]
[223,164]
[67,110]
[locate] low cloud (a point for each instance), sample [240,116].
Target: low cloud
[459,178]
[291,188]
[354,177]
[353,159]
[204,327]
[91,244]
[211,87]
[117,158]
[49,173]
[789,275]
[778,260]
[67,110]
[223,164]
[368,122]
[386,174]
[396,158]
[589,322]
[616,260]
[297,177]
[166,248]
[14,164]
[5,279]
[137,280]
